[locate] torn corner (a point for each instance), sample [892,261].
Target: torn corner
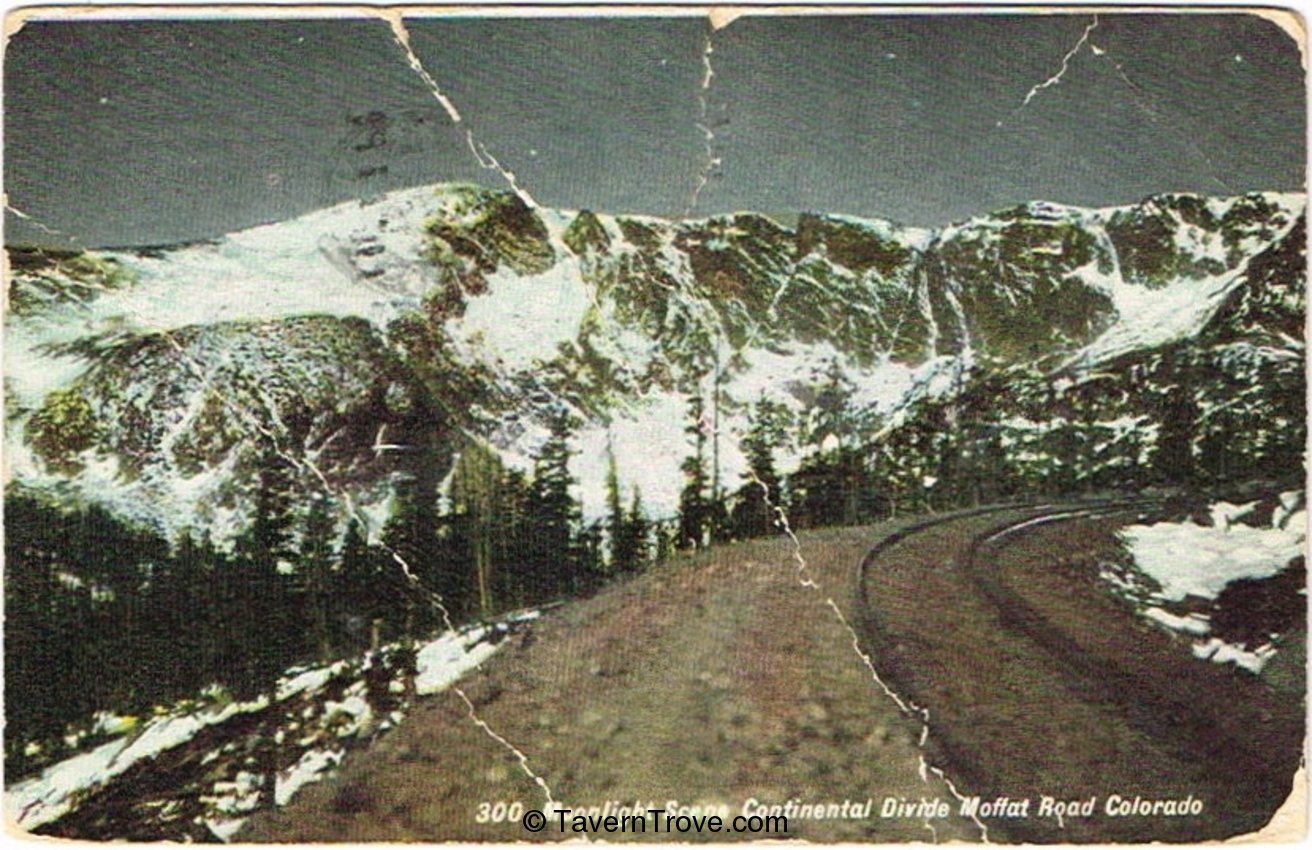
[1289,823]
[15,20]
[1292,23]
[721,16]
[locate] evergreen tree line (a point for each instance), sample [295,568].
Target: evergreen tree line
[103,616]
[829,488]
[1003,435]
[839,481]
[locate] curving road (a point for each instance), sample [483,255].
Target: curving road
[1041,684]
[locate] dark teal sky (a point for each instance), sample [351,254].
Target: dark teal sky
[147,133]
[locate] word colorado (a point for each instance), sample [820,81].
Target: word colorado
[1047,807]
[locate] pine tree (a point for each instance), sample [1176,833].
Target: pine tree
[316,568]
[1178,413]
[357,586]
[620,557]
[554,515]
[694,506]
[415,577]
[269,537]
[718,529]
[514,539]
[36,642]
[476,505]
[632,548]
[263,629]
[760,498]
[667,539]
[830,416]
[169,653]
[717,514]
[586,557]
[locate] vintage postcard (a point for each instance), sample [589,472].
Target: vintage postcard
[662,424]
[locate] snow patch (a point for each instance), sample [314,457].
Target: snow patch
[1148,317]
[224,828]
[307,770]
[310,680]
[649,444]
[1221,652]
[50,796]
[521,322]
[1290,501]
[1192,624]
[443,661]
[1224,514]
[1187,559]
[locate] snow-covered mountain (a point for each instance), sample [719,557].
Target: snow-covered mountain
[156,380]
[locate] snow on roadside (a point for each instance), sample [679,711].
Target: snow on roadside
[1187,559]
[1193,623]
[46,798]
[1224,514]
[311,680]
[1221,652]
[1290,503]
[62,787]
[304,772]
[441,662]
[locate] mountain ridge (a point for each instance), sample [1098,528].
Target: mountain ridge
[496,313]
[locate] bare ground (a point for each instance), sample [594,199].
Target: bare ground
[712,679]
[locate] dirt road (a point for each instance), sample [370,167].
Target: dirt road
[712,679]
[720,679]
